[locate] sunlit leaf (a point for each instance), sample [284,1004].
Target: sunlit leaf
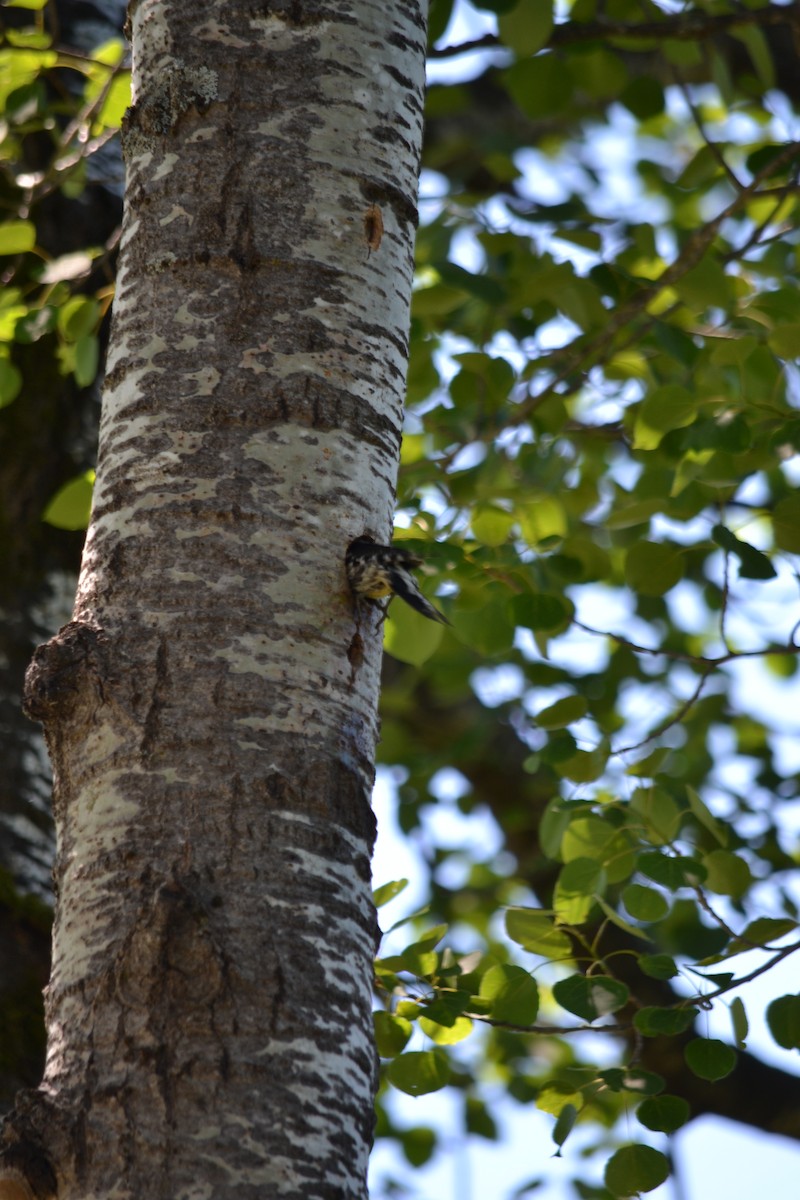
[513,993]
[71,505]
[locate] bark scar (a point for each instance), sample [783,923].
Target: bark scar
[152,722]
[373,227]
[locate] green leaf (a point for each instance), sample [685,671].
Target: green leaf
[448,1034]
[644,903]
[644,97]
[665,408]
[513,993]
[391,1033]
[34,324]
[17,237]
[10,316]
[431,937]
[706,817]
[705,286]
[786,523]
[563,712]
[446,1008]
[658,966]
[660,814]
[420,957]
[492,292]
[760,932]
[408,1009]
[739,1022]
[487,630]
[419,1143]
[585,766]
[632,1079]
[784,340]
[10,382]
[553,826]
[565,1123]
[592,837]
[117,100]
[535,930]
[77,318]
[526,27]
[635,1169]
[591,996]
[71,506]
[758,49]
[653,1022]
[783,1019]
[599,72]
[478,1119]
[540,86]
[645,768]
[554,1098]
[752,563]
[435,300]
[439,19]
[491,525]
[87,354]
[663,1114]
[670,871]
[653,568]
[728,874]
[540,611]
[620,922]
[582,876]
[541,518]
[577,884]
[410,637]
[708,1058]
[387,891]
[419,1072]
[421,963]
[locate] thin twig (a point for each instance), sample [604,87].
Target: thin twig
[675,719]
[698,660]
[779,956]
[552,1030]
[726,595]
[698,120]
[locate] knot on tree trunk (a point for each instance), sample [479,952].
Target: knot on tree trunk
[60,672]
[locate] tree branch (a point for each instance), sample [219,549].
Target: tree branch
[684,27]
[688,258]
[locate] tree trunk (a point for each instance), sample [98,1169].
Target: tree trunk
[210,711]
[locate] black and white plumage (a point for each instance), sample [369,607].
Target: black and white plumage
[375,572]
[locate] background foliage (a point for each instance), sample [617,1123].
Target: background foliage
[599,466]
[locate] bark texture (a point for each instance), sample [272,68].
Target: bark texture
[210,711]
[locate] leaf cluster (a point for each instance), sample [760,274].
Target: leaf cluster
[599,466]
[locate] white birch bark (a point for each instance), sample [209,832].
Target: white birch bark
[211,709]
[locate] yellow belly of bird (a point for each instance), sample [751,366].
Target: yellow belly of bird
[378,590]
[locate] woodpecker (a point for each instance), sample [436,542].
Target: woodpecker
[375,572]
